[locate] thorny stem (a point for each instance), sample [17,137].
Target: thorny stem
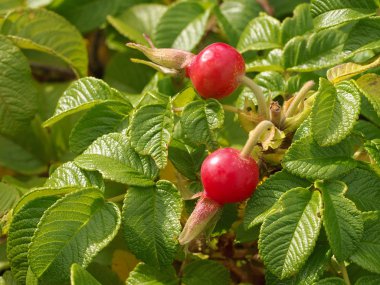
[261,101]
[254,136]
[344,273]
[116,199]
[298,98]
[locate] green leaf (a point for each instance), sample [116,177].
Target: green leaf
[102,119]
[10,4]
[244,235]
[306,158]
[185,159]
[228,217]
[73,230]
[18,96]
[335,111]
[80,276]
[331,13]
[200,119]
[331,281]
[310,272]
[298,25]
[184,97]
[295,82]
[270,62]
[70,175]
[113,156]
[17,157]
[373,148]
[239,12]
[364,36]
[341,219]
[368,253]
[288,236]
[369,112]
[369,84]
[205,272]
[125,75]
[41,192]
[31,29]
[260,205]
[9,196]
[272,83]
[144,274]
[315,265]
[151,131]
[151,222]
[363,189]
[226,27]
[138,20]
[82,95]
[152,93]
[31,279]
[304,130]
[315,51]
[7,278]
[234,15]
[368,280]
[20,234]
[86,15]
[366,129]
[181,26]
[261,33]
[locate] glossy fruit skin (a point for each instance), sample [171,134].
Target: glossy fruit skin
[227,177]
[216,71]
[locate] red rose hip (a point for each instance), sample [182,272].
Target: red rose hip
[227,177]
[216,71]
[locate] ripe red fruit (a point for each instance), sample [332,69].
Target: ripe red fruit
[216,71]
[227,177]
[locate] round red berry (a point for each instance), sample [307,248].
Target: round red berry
[227,177]
[216,71]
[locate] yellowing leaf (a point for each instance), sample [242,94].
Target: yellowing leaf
[350,69]
[123,262]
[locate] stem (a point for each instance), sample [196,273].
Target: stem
[275,113]
[299,98]
[149,40]
[238,111]
[344,273]
[261,101]
[116,199]
[178,109]
[254,136]
[231,109]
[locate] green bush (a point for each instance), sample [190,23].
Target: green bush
[100,155]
